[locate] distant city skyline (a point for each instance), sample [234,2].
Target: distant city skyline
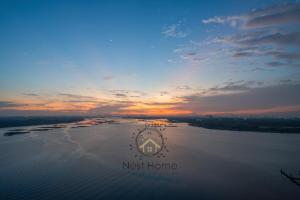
[154,58]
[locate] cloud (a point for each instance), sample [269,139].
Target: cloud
[164,93]
[232,97]
[234,86]
[243,54]
[274,15]
[270,32]
[258,98]
[183,87]
[107,109]
[31,94]
[174,31]
[269,16]
[233,21]
[258,38]
[120,95]
[288,56]
[257,69]
[126,93]
[13,112]
[108,77]
[275,64]
[82,101]
[281,45]
[193,57]
[76,101]
[286,81]
[76,96]
[216,19]
[9,104]
[282,64]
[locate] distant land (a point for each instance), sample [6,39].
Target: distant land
[267,124]
[6,122]
[271,125]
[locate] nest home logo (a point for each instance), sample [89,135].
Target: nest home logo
[149,146]
[150,141]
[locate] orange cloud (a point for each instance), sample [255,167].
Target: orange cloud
[154,112]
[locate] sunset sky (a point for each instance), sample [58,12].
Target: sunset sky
[150,58]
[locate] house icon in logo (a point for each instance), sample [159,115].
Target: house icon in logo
[150,147]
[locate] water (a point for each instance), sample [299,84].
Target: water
[87,163]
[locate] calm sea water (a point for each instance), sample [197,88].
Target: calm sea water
[87,163]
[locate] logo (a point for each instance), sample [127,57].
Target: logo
[149,147]
[150,141]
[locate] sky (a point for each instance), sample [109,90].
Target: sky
[156,58]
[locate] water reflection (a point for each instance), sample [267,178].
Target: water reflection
[87,163]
